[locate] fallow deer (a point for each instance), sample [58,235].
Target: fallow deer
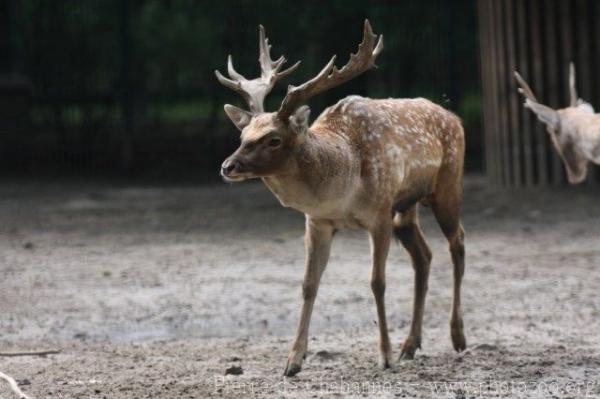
[574,131]
[363,163]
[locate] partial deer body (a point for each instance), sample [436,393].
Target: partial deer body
[574,131]
[364,163]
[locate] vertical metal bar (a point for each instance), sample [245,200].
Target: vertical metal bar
[511,91]
[525,128]
[595,34]
[537,79]
[582,62]
[582,58]
[566,45]
[553,81]
[496,130]
[484,50]
[502,91]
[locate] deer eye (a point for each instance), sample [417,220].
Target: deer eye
[248,147]
[274,142]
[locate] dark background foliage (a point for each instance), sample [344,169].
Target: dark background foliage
[105,87]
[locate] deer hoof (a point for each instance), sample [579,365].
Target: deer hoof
[385,360]
[384,364]
[409,347]
[458,340]
[291,369]
[407,355]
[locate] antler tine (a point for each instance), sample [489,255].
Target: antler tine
[525,89]
[233,74]
[235,81]
[264,57]
[572,89]
[254,91]
[230,83]
[330,76]
[269,68]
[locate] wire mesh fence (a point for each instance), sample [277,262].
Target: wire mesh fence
[129,85]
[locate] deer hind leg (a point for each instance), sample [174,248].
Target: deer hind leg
[318,239]
[446,208]
[380,245]
[407,230]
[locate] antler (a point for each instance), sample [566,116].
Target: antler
[254,91]
[544,113]
[572,89]
[330,76]
[525,89]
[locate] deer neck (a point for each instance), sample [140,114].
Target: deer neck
[585,131]
[315,178]
[579,125]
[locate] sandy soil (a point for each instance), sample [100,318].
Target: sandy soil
[156,291]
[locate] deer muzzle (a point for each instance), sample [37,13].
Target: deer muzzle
[232,169]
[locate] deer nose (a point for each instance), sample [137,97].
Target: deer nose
[228,166]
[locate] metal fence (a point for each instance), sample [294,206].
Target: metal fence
[539,38]
[111,85]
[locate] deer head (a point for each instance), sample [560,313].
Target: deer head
[268,139]
[561,125]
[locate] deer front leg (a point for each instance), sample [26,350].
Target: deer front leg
[317,243]
[380,245]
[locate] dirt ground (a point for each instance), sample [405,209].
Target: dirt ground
[154,291]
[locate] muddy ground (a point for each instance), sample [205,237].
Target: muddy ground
[154,291]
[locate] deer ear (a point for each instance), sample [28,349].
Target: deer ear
[299,119]
[238,116]
[545,114]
